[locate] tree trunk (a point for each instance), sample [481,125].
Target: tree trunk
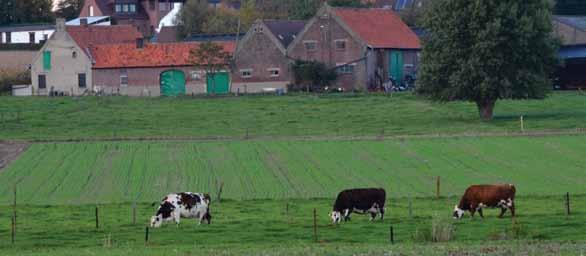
[485,109]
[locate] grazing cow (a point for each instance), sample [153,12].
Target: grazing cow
[482,196]
[363,201]
[186,205]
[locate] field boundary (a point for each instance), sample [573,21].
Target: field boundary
[551,133]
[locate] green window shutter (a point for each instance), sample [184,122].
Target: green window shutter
[47,60]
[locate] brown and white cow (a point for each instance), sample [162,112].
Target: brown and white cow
[478,197]
[362,201]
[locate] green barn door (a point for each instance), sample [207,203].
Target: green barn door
[172,83]
[396,66]
[219,83]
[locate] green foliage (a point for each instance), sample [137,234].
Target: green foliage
[248,14]
[26,11]
[8,78]
[192,17]
[209,57]
[104,172]
[69,9]
[483,51]
[221,21]
[312,75]
[348,3]
[304,9]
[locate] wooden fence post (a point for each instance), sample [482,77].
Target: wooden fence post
[410,207]
[134,213]
[437,190]
[220,188]
[522,124]
[13,226]
[315,224]
[97,219]
[146,235]
[568,203]
[392,235]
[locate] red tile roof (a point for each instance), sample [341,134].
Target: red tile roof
[152,55]
[379,28]
[86,36]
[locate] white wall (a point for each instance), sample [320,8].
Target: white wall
[22,37]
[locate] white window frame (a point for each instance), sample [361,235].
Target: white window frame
[274,69]
[249,70]
[123,74]
[341,68]
[306,42]
[340,41]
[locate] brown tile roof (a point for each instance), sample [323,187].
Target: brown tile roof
[152,55]
[379,28]
[86,36]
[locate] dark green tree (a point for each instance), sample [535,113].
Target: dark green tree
[312,75]
[482,51]
[348,3]
[26,11]
[193,16]
[69,9]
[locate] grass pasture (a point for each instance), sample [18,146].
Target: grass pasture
[251,227]
[41,118]
[117,172]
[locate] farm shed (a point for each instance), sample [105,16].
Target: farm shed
[572,32]
[144,69]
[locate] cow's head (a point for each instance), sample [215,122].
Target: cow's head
[165,212]
[336,217]
[207,198]
[458,213]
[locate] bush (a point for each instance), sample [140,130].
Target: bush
[311,76]
[439,230]
[8,78]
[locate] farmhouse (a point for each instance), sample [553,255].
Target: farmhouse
[145,69]
[64,63]
[260,61]
[366,46]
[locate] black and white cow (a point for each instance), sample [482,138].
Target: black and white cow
[185,204]
[363,201]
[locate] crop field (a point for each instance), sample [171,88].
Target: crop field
[285,227]
[41,118]
[117,172]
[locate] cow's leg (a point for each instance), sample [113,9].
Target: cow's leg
[472,212]
[480,212]
[382,213]
[512,207]
[347,213]
[503,210]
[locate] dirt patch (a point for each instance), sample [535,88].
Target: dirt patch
[9,151]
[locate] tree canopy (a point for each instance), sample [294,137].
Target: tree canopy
[69,9]
[483,51]
[25,11]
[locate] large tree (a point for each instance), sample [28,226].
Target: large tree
[193,16]
[482,51]
[211,58]
[25,11]
[69,9]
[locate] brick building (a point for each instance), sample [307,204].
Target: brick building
[366,46]
[260,62]
[153,70]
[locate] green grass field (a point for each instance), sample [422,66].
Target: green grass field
[82,173]
[252,227]
[30,118]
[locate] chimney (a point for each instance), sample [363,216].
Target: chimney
[60,25]
[139,43]
[83,22]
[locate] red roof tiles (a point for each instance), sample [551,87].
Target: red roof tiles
[379,28]
[152,55]
[86,36]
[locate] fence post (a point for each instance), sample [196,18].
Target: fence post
[382,134]
[13,227]
[97,219]
[134,213]
[568,203]
[220,188]
[522,124]
[410,207]
[392,235]
[315,224]
[437,190]
[146,235]
[287,209]
[246,136]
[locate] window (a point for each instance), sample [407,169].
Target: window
[345,68]
[402,4]
[31,37]
[274,72]
[123,78]
[125,8]
[246,73]
[151,4]
[310,45]
[74,54]
[132,8]
[91,10]
[47,60]
[8,37]
[340,44]
[81,80]
[42,82]
[118,8]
